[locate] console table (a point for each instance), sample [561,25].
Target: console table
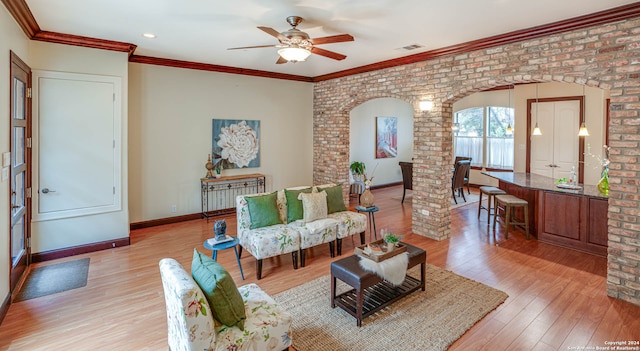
[218,195]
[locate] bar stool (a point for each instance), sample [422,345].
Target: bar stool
[490,191]
[510,202]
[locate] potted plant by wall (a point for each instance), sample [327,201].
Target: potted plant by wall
[358,169]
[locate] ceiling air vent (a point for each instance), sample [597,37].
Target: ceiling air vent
[411,47]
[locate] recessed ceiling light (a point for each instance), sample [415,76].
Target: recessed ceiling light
[149,35]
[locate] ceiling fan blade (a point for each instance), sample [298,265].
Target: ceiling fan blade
[252,47]
[327,53]
[281,60]
[332,39]
[272,32]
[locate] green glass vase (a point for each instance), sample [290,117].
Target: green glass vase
[603,184]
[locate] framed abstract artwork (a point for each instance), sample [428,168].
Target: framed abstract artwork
[236,143]
[386,137]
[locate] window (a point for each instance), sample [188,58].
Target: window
[482,135]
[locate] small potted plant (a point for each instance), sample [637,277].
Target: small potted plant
[357,169]
[218,167]
[392,240]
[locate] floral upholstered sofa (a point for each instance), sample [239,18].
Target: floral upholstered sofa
[191,325]
[296,222]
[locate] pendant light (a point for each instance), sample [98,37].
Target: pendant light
[536,129]
[509,130]
[583,127]
[455,126]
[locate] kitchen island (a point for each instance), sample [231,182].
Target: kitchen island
[576,219]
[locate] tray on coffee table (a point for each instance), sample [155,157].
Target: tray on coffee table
[380,256]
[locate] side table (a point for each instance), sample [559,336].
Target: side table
[372,219]
[223,246]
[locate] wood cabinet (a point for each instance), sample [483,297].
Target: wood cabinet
[576,219]
[577,222]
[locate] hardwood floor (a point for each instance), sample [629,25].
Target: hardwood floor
[557,297]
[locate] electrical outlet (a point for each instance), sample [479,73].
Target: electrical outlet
[174,208]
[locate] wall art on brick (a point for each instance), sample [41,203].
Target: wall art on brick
[386,137]
[236,143]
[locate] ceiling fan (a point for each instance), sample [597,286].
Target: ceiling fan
[295,45]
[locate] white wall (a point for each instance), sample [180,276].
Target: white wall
[62,233]
[363,138]
[12,38]
[594,117]
[171,112]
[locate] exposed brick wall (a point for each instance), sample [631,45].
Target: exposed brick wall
[606,56]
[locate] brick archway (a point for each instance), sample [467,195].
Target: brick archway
[604,56]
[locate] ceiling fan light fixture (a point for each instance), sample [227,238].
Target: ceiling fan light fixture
[294,54]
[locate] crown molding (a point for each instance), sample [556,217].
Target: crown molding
[20,11]
[611,15]
[215,68]
[76,40]
[23,16]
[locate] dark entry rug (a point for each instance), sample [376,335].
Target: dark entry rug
[54,278]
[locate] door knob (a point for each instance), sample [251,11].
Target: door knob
[46,191]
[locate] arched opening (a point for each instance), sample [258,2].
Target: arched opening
[363,128]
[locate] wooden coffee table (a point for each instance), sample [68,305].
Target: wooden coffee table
[370,293]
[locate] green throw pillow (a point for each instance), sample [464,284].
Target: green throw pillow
[217,285]
[263,210]
[335,201]
[294,206]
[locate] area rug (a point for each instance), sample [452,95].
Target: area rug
[425,320]
[472,198]
[54,278]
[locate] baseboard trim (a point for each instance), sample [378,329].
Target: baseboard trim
[77,250]
[4,308]
[168,220]
[388,185]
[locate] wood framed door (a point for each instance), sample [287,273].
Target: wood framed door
[18,162]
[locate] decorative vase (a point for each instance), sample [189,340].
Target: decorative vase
[603,184]
[209,166]
[366,199]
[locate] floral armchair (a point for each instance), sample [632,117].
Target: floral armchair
[192,327]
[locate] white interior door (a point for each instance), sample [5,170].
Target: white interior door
[542,148]
[554,152]
[78,144]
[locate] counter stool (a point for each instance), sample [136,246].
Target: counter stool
[490,191]
[510,202]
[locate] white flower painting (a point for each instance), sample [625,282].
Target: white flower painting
[236,143]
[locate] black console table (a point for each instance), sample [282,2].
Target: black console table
[218,195]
